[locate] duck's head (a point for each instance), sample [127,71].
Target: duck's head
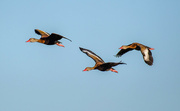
[32,40]
[123,47]
[88,69]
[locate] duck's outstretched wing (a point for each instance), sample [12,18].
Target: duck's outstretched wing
[123,51]
[91,54]
[147,56]
[115,63]
[55,36]
[111,64]
[42,33]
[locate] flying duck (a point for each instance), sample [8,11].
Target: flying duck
[48,39]
[100,64]
[145,50]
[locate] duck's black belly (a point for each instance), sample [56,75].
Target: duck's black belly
[104,67]
[50,42]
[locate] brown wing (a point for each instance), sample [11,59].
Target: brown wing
[42,33]
[91,54]
[123,51]
[55,36]
[142,46]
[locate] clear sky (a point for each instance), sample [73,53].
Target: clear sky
[38,77]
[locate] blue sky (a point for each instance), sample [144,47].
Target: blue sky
[37,77]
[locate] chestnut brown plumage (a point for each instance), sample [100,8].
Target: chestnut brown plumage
[100,64]
[145,50]
[48,39]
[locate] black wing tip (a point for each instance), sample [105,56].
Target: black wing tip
[60,36]
[150,63]
[122,63]
[114,55]
[117,55]
[81,48]
[67,39]
[64,37]
[70,40]
[36,31]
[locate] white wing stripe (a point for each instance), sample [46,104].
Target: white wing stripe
[146,55]
[85,51]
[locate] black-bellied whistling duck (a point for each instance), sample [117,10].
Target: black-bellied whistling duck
[48,39]
[145,50]
[100,64]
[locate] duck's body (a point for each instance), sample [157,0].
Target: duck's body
[48,39]
[107,66]
[100,64]
[145,50]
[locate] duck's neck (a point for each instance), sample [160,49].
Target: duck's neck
[90,68]
[40,41]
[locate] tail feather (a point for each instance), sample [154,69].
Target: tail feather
[115,64]
[121,62]
[67,38]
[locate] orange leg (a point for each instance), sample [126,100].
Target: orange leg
[113,70]
[59,44]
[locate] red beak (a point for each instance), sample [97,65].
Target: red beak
[120,48]
[85,70]
[151,49]
[28,41]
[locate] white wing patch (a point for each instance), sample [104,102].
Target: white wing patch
[85,51]
[146,54]
[91,54]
